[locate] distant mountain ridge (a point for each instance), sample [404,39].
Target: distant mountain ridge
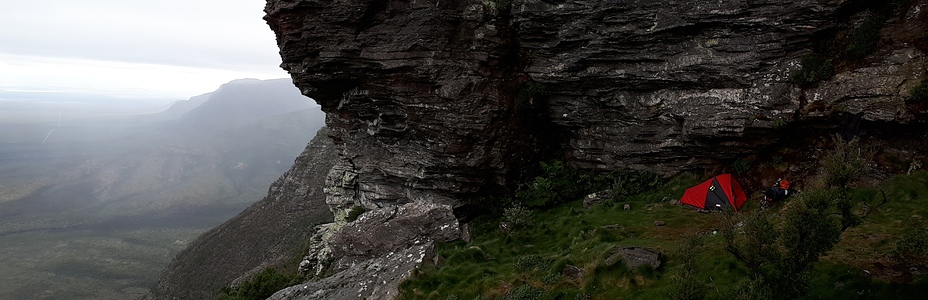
[245,101]
[131,187]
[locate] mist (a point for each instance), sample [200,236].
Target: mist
[97,192]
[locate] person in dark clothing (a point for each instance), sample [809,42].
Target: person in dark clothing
[779,191]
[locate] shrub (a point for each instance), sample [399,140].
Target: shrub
[530,92]
[260,286]
[498,6]
[630,183]
[919,93]
[558,184]
[777,160]
[532,262]
[686,285]
[846,163]
[865,38]
[912,248]
[741,165]
[526,292]
[518,216]
[814,68]
[780,258]
[354,213]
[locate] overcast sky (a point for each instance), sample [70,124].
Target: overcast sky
[134,48]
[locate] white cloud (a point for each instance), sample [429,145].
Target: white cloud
[166,46]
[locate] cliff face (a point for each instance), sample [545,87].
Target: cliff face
[431,103]
[418,93]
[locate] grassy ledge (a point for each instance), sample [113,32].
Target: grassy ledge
[563,253]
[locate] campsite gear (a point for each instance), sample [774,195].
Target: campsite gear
[784,184]
[779,191]
[715,193]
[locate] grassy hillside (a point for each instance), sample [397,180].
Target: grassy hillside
[563,252]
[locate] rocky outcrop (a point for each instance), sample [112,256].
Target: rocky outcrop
[635,257]
[437,101]
[433,102]
[265,235]
[371,279]
[376,252]
[419,93]
[876,92]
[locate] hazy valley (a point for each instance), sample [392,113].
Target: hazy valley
[95,199]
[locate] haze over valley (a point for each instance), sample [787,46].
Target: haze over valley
[98,193]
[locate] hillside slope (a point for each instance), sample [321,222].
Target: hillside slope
[270,233]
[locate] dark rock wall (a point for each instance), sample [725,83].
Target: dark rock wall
[658,84]
[433,102]
[439,100]
[419,93]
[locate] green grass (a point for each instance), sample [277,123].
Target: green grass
[528,263]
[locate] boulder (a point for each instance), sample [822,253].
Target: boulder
[635,257]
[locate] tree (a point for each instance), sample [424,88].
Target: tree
[780,255]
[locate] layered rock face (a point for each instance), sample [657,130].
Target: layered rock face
[424,96]
[419,93]
[433,102]
[648,84]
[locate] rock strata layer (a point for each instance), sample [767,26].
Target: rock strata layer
[434,102]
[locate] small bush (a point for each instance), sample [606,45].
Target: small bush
[518,216]
[919,93]
[552,278]
[526,292]
[532,262]
[864,40]
[778,123]
[912,248]
[530,92]
[780,258]
[686,285]
[354,213]
[777,160]
[630,183]
[498,6]
[741,165]
[259,287]
[814,68]
[558,184]
[846,163]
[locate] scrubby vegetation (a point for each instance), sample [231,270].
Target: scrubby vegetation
[560,184]
[865,37]
[260,286]
[814,68]
[804,248]
[919,93]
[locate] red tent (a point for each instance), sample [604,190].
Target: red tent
[716,192]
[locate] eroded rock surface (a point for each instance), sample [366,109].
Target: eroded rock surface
[370,279]
[369,257]
[433,102]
